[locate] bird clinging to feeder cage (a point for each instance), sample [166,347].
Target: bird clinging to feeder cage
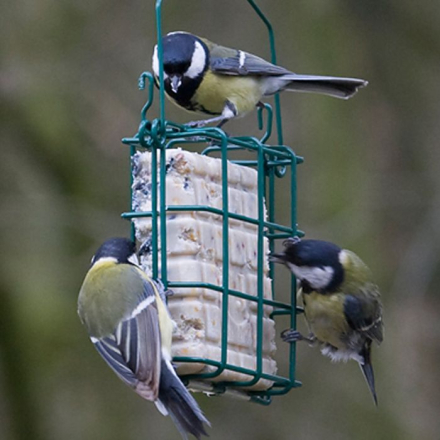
[125,314]
[341,302]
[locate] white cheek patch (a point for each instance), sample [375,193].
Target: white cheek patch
[198,61]
[344,258]
[317,277]
[156,64]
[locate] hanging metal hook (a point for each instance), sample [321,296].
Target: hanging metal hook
[268,108]
[142,83]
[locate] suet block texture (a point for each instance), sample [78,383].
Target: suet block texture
[195,255]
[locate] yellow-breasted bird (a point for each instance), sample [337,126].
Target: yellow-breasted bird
[125,314]
[202,76]
[341,302]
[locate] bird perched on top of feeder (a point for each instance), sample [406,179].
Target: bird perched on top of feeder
[201,76]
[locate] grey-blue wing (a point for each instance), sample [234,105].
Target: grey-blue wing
[233,62]
[244,63]
[364,315]
[133,350]
[111,353]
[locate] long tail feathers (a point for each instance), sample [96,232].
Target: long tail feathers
[367,369]
[343,88]
[180,405]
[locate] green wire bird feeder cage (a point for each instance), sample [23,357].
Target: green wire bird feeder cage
[215,217]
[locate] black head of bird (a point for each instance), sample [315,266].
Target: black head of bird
[315,263]
[121,250]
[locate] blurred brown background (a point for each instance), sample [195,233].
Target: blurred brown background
[371,183]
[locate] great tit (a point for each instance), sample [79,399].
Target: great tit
[128,322]
[201,76]
[341,302]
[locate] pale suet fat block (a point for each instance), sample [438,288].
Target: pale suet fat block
[195,254]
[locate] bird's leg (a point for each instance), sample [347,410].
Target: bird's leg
[291,335]
[229,112]
[222,122]
[204,122]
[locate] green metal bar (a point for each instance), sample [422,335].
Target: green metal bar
[279,380]
[277,392]
[242,295]
[262,400]
[260,265]
[280,236]
[220,367]
[293,284]
[217,211]
[245,143]
[132,228]
[246,163]
[279,163]
[288,311]
[271,214]
[237,143]
[269,111]
[163,221]
[160,57]
[154,231]
[146,107]
[225,251]
[274,61]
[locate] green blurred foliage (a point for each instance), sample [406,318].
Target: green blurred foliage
[371,182]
